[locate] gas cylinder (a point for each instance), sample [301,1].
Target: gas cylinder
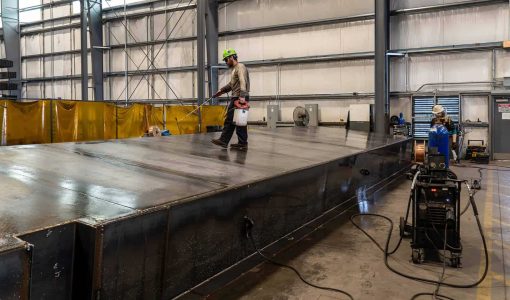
[401,120]
[439,138]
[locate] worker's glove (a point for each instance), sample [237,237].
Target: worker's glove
[241,103]
[454,146]
[218,93]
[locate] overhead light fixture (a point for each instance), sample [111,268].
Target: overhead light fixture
[399,54]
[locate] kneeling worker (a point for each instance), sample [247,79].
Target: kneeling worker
[240,86]
[441,117]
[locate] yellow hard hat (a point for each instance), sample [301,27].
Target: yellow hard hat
[228,52]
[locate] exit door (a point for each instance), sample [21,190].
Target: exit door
[501,127]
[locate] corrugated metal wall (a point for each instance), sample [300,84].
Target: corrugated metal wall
[47,71]
[488,23]
[441,27]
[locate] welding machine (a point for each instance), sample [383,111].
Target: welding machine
[435,199]
[436,217]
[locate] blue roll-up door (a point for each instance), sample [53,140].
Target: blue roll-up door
[452,105]
[422,113]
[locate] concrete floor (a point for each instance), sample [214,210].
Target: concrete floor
[338,255]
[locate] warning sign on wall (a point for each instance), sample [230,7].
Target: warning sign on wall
[504,108]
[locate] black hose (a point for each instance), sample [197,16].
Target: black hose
[405,223]
[431,294]
[435,294]
[465,208]
[471,192]
[250,237]
[428,281]
[439,235]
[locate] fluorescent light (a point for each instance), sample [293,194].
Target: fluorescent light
[395,54]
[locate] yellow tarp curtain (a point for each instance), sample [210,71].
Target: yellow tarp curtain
[78,121]
[156,116]
[212,116]
[110,121]
[181,119]
[26,122]
[47,121]
[184,119]
[132,121]
[3,109]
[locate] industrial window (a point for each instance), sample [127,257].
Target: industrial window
[28,16]
[106,4]
[422,113]
[29,3]
[76,7]
[113,3]
[30,11]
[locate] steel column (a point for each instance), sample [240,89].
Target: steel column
[11,32]
[382,22]
[96,44]
[212,44]
[84,63]
[201,15]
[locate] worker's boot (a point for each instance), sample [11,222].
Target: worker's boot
[219,143]
[242,147]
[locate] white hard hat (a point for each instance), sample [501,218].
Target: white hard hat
[437,109]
